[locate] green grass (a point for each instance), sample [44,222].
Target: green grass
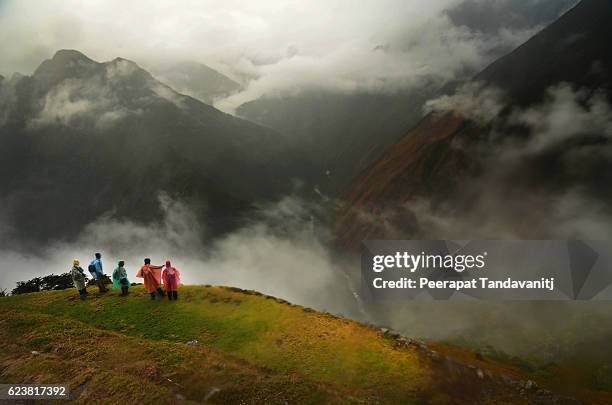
[258,349]
[258,329]
[107,367]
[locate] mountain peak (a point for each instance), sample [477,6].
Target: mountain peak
[118,60]
[125,66]
[70,55]
[65,63]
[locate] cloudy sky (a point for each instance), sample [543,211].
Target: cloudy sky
[280,46]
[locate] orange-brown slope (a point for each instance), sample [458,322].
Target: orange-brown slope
[427,161]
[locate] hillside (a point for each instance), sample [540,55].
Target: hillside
[225,345]
[519,157]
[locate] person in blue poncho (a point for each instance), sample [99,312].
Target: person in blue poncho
[95,268]
[120,280]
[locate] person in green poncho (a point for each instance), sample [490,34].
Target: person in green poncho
[120,280]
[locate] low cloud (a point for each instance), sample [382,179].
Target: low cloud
[503,214]
[567,114]
[474,100]
[75,101]
[428,52]
[278,253]
[275,47]
[543,172]
[83,102]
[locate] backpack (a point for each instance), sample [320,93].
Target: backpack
[92,268]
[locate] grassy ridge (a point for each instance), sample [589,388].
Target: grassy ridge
[251,349]
[262,331]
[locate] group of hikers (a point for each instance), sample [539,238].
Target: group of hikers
[152,275]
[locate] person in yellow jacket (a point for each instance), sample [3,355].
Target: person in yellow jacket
[78,278]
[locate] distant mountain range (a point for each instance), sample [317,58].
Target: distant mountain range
[547,136]
[80,138]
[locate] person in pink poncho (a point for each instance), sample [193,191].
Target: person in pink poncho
[172,279]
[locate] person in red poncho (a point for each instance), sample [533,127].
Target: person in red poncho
[152,278]
[172,279]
